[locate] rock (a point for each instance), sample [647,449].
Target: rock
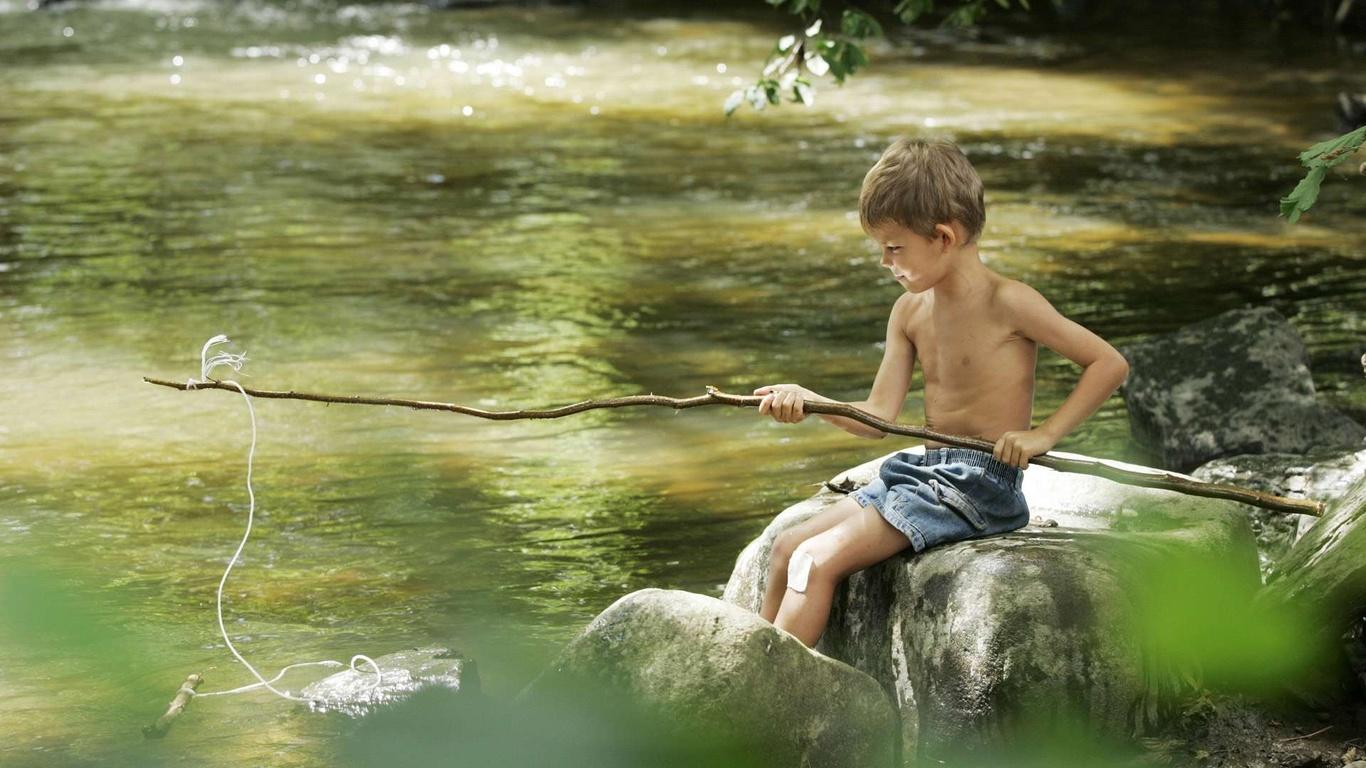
[354,693]
[1322,474]
[978,640]
[704,670]
[1237,383]
[1325,570]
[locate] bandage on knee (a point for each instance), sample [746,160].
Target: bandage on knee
[798,569]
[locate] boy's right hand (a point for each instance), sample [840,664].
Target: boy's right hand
[784,401]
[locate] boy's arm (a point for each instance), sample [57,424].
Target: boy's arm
[893,379]
[1104,369]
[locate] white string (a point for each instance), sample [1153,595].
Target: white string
[235,361]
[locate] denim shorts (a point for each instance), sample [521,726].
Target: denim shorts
[947,494]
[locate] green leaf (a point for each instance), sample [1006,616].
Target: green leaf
[1339,149]
[1302,197]
[965,16]
[1318,159]
[774,64]
[851,59]
[755,95]
[734,101]
[816,64]
[774,96]
[857,24]
[854,57]
[839,68]
[910,10]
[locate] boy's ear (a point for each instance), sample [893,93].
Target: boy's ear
[949,234]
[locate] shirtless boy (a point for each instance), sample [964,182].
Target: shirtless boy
[976,335]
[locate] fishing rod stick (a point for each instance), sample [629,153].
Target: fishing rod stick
[1142,477]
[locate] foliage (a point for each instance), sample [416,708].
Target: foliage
[815,53]
[968,12]
[821,49]
[1203,627]
[594,728]
[1318,159]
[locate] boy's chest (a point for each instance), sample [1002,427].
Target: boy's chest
[970,349]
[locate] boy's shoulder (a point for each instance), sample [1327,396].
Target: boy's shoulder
[1003,293]
[1007,301]
[1010,293]
[907,307]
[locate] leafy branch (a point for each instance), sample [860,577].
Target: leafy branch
[817,50]
[796,58]
[1318,159]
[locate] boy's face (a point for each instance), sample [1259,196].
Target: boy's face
[916,262]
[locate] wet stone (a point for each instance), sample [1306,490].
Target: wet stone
[1323,474]
[353,691]
[1236,383]
[693,669]
[1324,570]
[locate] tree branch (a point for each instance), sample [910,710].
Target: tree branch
[1161,479]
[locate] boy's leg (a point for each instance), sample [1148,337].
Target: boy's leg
[787,541]
[862,539]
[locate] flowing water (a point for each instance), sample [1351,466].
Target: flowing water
[513,208]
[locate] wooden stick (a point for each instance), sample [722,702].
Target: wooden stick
[1156,478]
[182,698]
[1305,736]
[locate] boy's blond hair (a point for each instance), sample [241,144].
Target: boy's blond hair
[919,184]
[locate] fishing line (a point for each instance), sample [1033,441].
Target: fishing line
[235,361]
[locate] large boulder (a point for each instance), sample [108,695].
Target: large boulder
[1236,383]
[1322,474]
[695,670]
[980,639]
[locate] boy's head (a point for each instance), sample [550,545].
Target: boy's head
[919,184]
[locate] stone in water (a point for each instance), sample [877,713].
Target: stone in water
[353,691]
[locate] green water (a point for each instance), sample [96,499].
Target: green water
[307,180]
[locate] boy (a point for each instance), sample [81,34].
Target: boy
[975,333]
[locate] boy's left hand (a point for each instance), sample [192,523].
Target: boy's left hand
[1018,447]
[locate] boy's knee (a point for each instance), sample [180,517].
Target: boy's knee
[783,546]
[810,562]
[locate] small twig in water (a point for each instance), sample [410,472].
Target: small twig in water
[1305,736]
[182,698]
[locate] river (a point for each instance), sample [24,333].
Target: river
[520,207]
